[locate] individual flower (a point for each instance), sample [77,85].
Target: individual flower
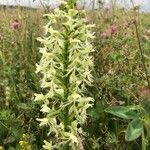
[15,24]
[86,20]
[107,8]
[1,148]
[145,37]
[148,31]
[144,91]
[113,29]
[110,31]
[110,71]
[126,25]
[106,34]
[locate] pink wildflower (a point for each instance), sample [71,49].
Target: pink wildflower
[106,34]
[126,25]
[107,8]
[113,29]
[15,24]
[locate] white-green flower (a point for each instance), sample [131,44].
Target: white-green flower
[66,65]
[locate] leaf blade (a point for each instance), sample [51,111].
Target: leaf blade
[125,112]
[134,130]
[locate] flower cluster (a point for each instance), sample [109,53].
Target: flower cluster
[65,66]
[110,31]
[24,144]
[15,25]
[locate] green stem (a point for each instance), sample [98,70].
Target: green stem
[141,53]
[4,63]
[66,84]
[116,132]
[66,81]
[140,48]
[143,141]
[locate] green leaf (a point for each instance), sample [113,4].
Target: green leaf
[134,130]
[9,140]
[125,112]
[117,57]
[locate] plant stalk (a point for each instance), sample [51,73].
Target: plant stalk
[140,47]
[66,81]
[141,53]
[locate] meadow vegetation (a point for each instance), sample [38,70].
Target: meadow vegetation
[119,118]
